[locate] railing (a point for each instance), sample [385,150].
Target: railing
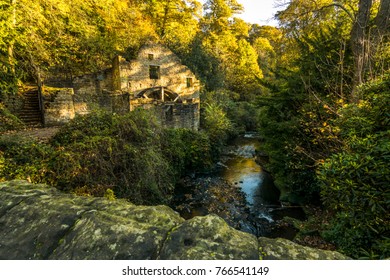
[40,98]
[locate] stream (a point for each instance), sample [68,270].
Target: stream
[240,191]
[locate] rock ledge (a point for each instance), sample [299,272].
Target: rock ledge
[40,222]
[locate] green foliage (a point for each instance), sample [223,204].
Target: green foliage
[286,143]
[109,194]
[224,116]
[355,186]
[8,121]
[24,159]
[320,144]
[129,154]
[187,150]
[216,122]
[244,116]
[122,153]
[354,181]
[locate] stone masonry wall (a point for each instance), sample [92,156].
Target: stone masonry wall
[134,75]
[172,114]
[88,91]
[58,106]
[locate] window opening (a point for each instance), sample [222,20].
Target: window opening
[154,72]
[189,82]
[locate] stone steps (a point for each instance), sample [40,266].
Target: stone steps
[30,113]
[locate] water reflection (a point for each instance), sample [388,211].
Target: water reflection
[241,192]
[245,173]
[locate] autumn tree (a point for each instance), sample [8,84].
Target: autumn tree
[269,46]
[224,40]
[7,41]
[70,38]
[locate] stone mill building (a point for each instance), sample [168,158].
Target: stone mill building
[155,78]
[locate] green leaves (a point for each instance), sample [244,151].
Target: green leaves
[130,154]
[354,182]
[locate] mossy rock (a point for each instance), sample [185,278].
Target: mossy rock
[40,222]
[209,238]
[283,249]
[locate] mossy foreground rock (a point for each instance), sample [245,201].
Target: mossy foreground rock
[39,222]
[283,249]
[209,238]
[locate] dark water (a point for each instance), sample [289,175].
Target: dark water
[243,170]
[241,192]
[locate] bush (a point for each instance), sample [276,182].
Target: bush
[287,146]
[187,150]
[131,155]
[244,116]
[355,186]
[24,159]
[354,181]
[8,121]
[103,151]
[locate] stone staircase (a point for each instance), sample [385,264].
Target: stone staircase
[31,114]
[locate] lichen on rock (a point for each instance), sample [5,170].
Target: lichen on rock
[283,249]
[209,238]
[40,222]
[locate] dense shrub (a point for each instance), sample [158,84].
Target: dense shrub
[244,116]
[22,158]
[187,150]
[7,120]
[130,154]
[355,181]
[287,145]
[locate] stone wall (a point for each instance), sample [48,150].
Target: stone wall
[89,95]
[134,75]
[116,90]
[58,106]
[14,103]
[40,222]
[172,114]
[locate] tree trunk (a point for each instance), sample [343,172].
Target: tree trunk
[380,38]
[165,19]
[382,20]
[359,42]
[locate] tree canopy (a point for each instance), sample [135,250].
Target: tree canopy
[316,88]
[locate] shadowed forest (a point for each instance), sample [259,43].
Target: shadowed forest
[316,89]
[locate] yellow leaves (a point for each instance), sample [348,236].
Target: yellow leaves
[363,104]
[321,161]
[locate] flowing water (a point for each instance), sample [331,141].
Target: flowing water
[240,191]
[242,169]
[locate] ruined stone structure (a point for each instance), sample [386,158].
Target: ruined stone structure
[154,79]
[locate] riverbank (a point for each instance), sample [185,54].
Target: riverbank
[241,192]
